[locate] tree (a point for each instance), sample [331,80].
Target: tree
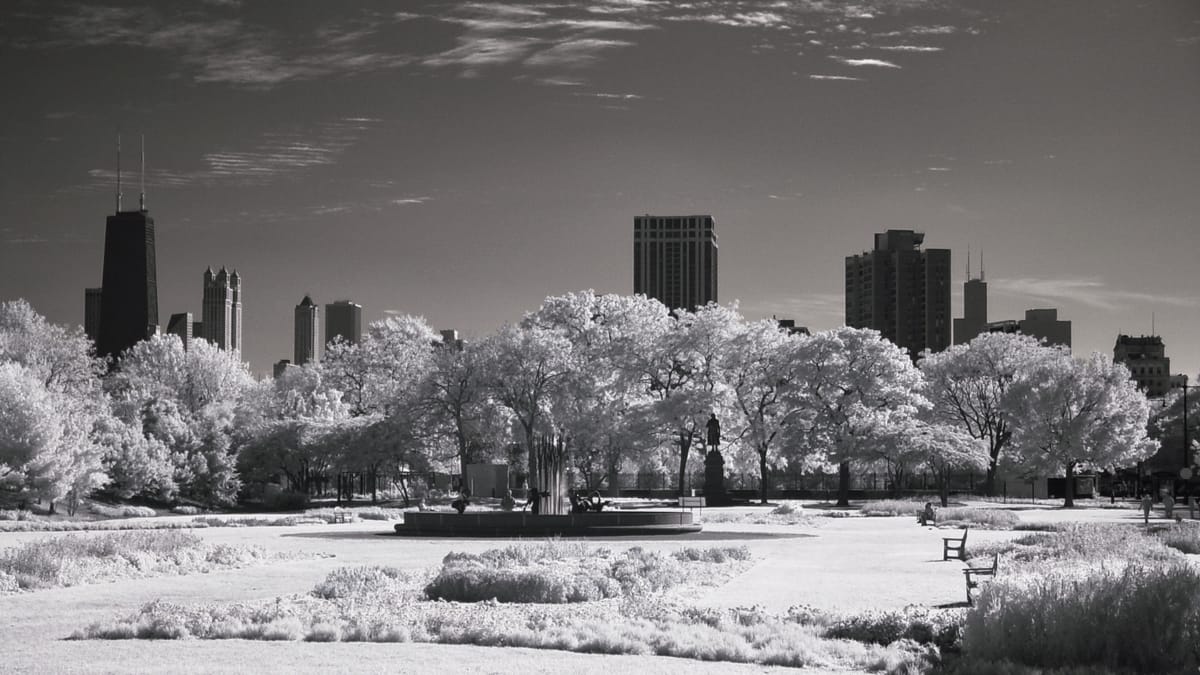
[381,373]
[595,409]
[525,366]
[852,388]
[188,400]
[940,449]
[62,364]
[676,359]
[457,409]
[755,365]
[1070,413]
[969,385]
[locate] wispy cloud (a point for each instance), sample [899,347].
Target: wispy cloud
[876,63]
[1091,292]
[812,309]
[907,48]
[840,78]
[574,53]
[277,154]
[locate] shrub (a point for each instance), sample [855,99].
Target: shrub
[996,519]
[922,626]
[72,560]
[348,582]
[123,511]
[1144,618]
[894,507]
[186,510]
[1183,537]
[787,508]
[713,554]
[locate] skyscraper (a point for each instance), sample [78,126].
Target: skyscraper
[92,299]
[901,291]
[343,319]
[221,312]
[307,337]
[675,259]
[974,320]
[1148,363]
[129,290]
[181,325]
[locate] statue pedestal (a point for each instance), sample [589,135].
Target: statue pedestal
[714,479]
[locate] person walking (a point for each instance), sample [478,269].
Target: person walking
[1147,504]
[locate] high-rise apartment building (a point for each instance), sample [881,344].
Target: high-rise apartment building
[675,259]
[307,333]
[181,325]
[221,312]
[901,291]
[1146,358]
[92,303]
[974,319]
[343,319]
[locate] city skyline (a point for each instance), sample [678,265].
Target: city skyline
[463,161]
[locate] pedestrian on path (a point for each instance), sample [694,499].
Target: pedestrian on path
[1147,504]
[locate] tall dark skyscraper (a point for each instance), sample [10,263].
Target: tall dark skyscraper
[974,320]
[129,291]
[343,319]
[901,291]
[308,332]
[675,259]
[92,297]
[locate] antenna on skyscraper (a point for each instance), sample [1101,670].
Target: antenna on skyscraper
[968,263]
[1152,324]
[981,274]
[142,197]
[118,172]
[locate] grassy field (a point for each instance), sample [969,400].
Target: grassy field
[852,567]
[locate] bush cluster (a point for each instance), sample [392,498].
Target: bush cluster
[123,511]
[1137,617]
[72,560]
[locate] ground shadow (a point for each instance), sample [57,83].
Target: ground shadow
[691,536]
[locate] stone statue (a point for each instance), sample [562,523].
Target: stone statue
[714,431]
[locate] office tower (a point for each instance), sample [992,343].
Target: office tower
[307,333]
[343,319]
[92,299]
[280,367]
[129,290]
[1146,358]
[675,259]
[901,291]
[181,325]
[974,320]
[221,313]
[1044,325]
[451,340]
[235,312]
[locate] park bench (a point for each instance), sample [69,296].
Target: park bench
[974,575]
[691,503]
[342,516]
[955,545]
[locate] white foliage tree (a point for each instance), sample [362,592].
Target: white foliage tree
[1069,414]
[968,386]
[852,388]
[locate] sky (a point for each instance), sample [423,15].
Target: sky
[461,161]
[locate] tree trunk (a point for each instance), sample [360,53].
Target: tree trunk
[843,484]
[1069,501]
[989,486]
[944,487]
[685,445]
[762,476]
[614,481]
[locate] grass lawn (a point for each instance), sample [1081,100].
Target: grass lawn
[838,564]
